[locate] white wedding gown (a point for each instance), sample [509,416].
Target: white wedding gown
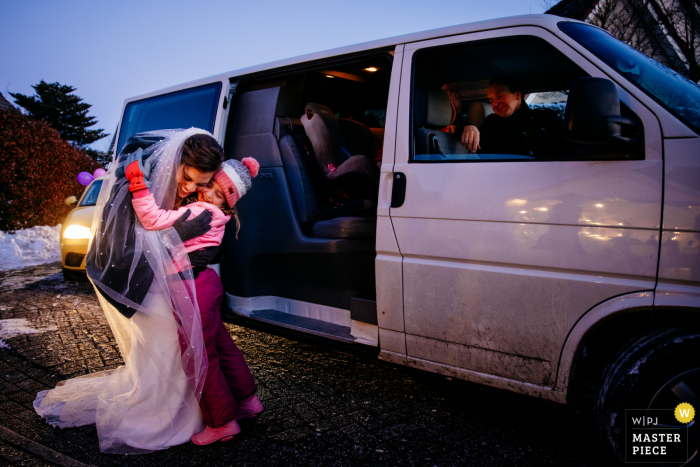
[145,405]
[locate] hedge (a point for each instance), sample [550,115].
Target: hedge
[38,172]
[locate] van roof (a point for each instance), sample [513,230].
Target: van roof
[542,20]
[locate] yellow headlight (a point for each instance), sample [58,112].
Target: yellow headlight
[76,232]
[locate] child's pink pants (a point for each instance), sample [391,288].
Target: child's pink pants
[228,378]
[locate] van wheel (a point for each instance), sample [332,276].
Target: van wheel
[644,375]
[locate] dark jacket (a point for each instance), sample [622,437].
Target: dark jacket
[536,133]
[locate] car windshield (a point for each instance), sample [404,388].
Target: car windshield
[677,93]
[90,198]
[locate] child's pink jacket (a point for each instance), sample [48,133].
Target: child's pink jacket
[154,218]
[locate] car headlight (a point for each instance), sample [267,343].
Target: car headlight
[76,232]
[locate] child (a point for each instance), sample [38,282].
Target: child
[229,389]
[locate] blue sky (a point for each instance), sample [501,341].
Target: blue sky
[112,50]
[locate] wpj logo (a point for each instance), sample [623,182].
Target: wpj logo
[658,435]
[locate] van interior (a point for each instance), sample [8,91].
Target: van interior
[296,243]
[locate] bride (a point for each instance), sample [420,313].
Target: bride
[145,287]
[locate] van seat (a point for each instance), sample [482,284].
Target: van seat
[433,111]
[356,219]
[478,111]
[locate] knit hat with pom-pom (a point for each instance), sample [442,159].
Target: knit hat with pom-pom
[235,178]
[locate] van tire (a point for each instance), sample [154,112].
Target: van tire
[637,373]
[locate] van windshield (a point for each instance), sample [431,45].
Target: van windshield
[195,107]
[671,89]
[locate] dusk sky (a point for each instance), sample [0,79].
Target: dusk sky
[111,51]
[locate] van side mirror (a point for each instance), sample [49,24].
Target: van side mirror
[71,201]
[593,117]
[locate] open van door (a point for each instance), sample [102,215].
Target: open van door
[503,253]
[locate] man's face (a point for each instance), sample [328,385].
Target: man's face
[504,102]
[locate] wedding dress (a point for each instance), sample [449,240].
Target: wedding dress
[143,406]
[151,402]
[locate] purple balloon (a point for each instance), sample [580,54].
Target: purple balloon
[99,173]
[84,178]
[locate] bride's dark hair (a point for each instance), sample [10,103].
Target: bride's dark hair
[202,152]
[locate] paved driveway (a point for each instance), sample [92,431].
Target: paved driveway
[323,407]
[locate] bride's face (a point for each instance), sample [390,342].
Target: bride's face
[190,180]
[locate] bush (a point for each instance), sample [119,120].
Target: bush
[38,172]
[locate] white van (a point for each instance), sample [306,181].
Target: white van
[573,278]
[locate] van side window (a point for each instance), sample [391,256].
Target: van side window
[195,107]
[508,94]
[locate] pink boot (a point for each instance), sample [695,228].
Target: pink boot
[212,435]
[250,407]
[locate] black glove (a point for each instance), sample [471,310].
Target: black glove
[188,230]
[204,257]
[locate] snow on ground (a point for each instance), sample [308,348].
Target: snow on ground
[17,327]
[29,247]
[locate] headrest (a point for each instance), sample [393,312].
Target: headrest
[323,131]
[432,107]
[287,125]
[478,111]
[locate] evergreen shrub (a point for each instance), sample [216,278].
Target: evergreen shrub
[38,172]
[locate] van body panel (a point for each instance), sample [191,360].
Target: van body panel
[680,258]
[593,194]
[682,184]
[503,258]
[388,262]
[388,279]
[392,111]
[607,254]
[392,341]
[679,296]
[500,382]
[523,312]
[478,359]
[679,263]
[622,304]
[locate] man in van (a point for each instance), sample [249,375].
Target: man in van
[514,128]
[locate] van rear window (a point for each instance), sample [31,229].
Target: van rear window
[195,107]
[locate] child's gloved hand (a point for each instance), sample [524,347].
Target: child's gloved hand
[189,229]
[136,171]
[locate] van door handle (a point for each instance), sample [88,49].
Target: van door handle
[398,192]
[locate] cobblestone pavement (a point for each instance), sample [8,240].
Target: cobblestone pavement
[324,407]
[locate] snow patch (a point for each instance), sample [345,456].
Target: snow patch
[29,247]
[18,327]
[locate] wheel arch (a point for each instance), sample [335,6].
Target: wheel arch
[603,331]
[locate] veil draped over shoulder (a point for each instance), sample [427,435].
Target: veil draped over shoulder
[146,289]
